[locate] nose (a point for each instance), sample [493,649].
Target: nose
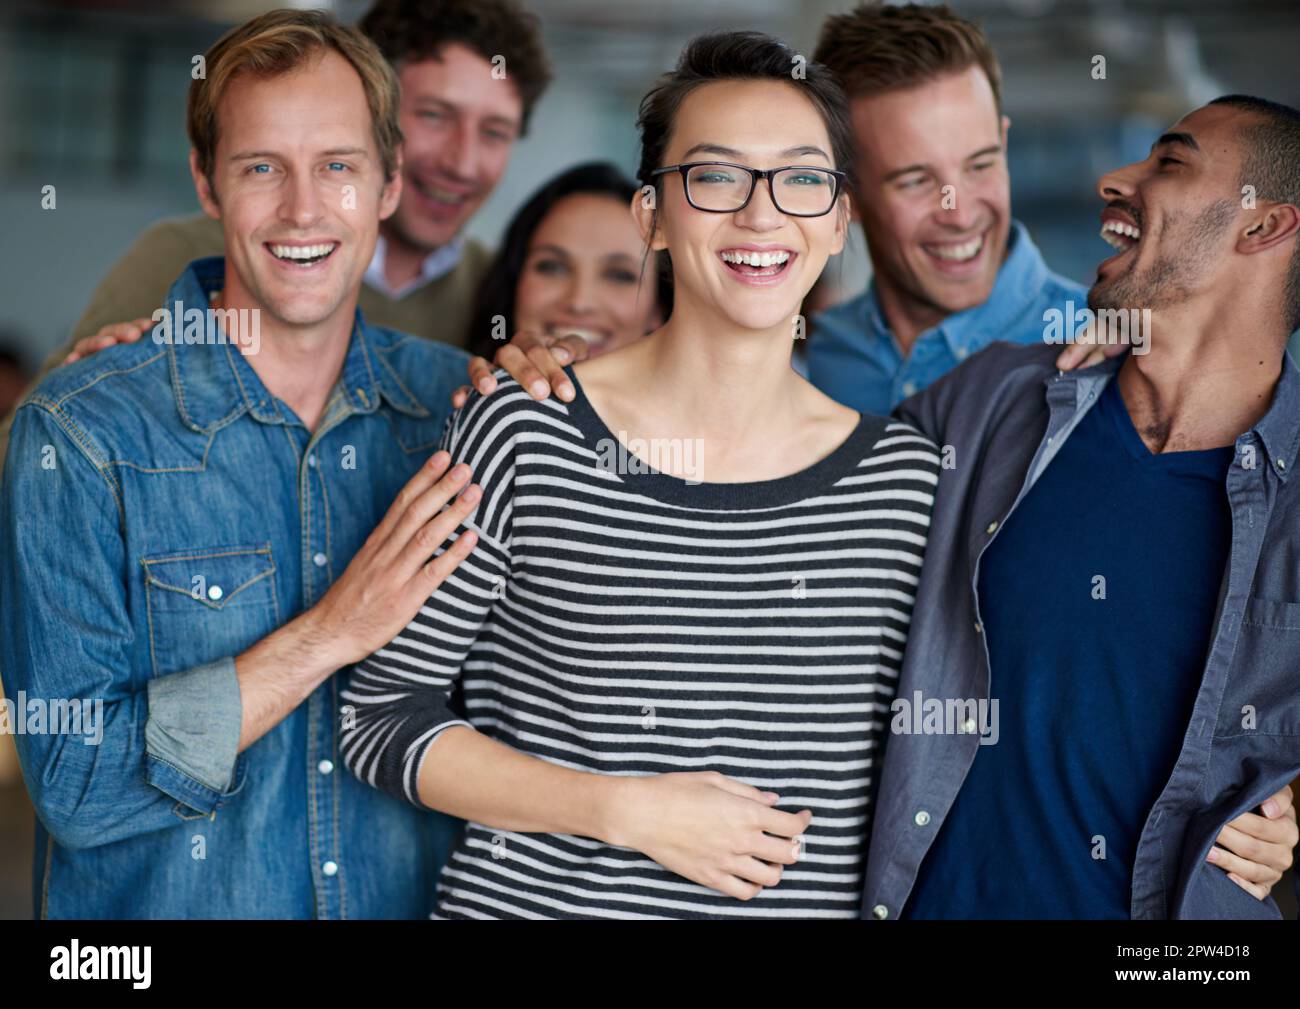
[1119,184]
[459,152]
[302,200]
[581,294]
[760,214]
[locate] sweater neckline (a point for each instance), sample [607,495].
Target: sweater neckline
[639,476]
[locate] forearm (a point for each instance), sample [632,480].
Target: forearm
[470,775]
[280,672]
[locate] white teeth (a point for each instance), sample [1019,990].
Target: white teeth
[959,253]
[759,259]
[302,251]
[1115,234]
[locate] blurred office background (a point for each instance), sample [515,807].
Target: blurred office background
[92,100]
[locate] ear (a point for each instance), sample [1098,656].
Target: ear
[1006,128]
[644,201]
[207,195]
[391,195]
[1269,228]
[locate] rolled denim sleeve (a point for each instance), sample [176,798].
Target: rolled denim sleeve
[69,638]
[192,735]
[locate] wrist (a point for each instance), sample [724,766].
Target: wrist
[616,805]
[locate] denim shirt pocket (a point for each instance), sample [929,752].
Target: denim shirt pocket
[205,604]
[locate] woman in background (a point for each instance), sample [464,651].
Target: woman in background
[572,261]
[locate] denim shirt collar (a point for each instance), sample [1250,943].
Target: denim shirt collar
[214,383]
[1278,430]
[1020,279]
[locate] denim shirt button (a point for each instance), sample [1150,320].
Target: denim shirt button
[325,766]
[215,592]
[922,818]
[909,388]
[311,460]
[330,868]
[319,560]
[992,528]
[880,912]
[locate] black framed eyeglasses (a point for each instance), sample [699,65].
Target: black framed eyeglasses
[720,187]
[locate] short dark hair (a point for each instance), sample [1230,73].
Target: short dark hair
[740,56]
[411,30]
[875,48]
[1271,164]
[496,294]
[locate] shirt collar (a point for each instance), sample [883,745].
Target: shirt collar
[1019,281]
[1278,430]
[213,381]
[438,263]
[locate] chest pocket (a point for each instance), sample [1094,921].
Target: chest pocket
[1263,692]
[207,604]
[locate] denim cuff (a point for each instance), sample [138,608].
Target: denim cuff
[192,734]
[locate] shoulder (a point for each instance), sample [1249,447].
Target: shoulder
[509,413]
[103,401]
[428,370]
[899,441]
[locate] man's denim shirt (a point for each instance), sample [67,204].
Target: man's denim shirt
[854,357]
[161,512]
[1003,415]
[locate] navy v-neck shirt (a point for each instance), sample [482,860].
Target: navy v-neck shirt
[1098,598]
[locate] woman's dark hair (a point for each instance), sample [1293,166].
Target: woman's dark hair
[496,295]
[740,56]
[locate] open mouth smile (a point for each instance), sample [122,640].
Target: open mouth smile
[758,266]
[301,256]
[957,257]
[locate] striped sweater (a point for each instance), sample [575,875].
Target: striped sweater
[618,620]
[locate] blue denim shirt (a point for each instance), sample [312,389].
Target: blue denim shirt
[1002,416]
[161,512]
[854,358]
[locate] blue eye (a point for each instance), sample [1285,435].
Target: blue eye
[258,169]
[338,164]
[807,179]
[714,177]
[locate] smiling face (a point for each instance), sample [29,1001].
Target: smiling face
[583,275]
[299,190]
[935,250]
[1169,216]
[753,267]
[460,124]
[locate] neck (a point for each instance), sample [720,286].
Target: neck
[720,381]
[1205,381]
[403,261]
[907,317]
[298,364]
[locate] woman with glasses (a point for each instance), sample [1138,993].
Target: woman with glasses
[681,626]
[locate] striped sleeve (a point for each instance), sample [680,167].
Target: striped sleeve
[398,701]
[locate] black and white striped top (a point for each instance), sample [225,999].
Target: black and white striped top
[622,621]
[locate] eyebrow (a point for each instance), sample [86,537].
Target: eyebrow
[983,152]
[731,152]
[334,152]
[1186,139]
